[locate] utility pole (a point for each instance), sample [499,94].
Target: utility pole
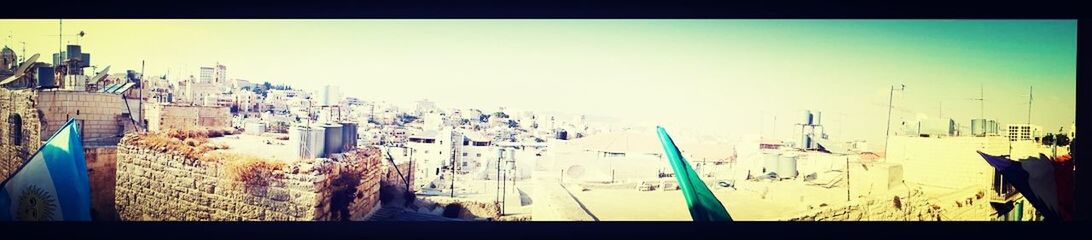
[504,191]
[499,155]
[140,94]
[453,164]
[887,138]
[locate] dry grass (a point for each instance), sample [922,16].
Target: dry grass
[190,143]
[251,170]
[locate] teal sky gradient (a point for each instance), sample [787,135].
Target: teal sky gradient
[710,76]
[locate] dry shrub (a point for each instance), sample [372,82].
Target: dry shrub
[213,133]
[190,143]
[282,137]
[188,134]
[253,171]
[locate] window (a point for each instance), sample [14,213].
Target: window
[464,164]
[479,155]
[16,123]
[464,154]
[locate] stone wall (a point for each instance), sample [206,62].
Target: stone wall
[969,204]
[471,209]
[160,185]
[13,152]
[102,171]
[392,184]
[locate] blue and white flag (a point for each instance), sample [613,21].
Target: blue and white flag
[53,185]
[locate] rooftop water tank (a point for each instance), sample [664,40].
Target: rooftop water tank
[45,78]
[254,128]
[308,141]
[769,162]
[334,138]
[978,127]
[349,135]
[786,166]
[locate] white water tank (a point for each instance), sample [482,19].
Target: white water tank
[308,141]
[786,166]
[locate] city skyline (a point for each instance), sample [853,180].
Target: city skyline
[715,76]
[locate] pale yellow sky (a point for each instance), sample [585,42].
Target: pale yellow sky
[710,76]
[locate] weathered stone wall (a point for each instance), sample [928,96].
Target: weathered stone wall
[159,185]
[471,209]
[13,152]
[392,184]
[961,205]
[102,171]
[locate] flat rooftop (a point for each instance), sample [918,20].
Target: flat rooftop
[265,146]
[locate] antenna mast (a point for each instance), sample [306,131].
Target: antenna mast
[1030,92]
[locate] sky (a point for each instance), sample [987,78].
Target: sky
[715,77]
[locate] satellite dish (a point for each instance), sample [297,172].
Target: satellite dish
[101,76]
[21,70]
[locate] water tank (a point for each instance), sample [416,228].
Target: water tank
[85,60]
[254,128]
[308,141]
[978,127]
[786,166]
[769,162]
[334,138]
[349,135]
[45,78]
[74,52]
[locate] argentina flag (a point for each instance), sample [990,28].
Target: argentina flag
[53,185]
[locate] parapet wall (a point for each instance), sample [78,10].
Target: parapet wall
[969,204]
[100,114]
[154,184]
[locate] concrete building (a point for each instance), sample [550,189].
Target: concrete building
[431,150]
[206,75]
[182,117]
[1023,132]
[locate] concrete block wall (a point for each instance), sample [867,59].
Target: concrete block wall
[155,185]
[97,112]
[946,162]
[166,117]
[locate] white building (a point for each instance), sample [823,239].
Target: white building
[206,74]
[473,151]
[1023,132]
[424,106]
[431,151]
[219,76]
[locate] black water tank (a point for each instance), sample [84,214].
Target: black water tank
[45,78]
